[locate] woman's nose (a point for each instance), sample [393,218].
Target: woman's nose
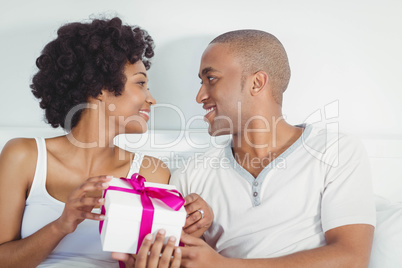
[150,99]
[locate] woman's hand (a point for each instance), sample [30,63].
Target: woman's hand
[200,215]
[78,206]
[153,255]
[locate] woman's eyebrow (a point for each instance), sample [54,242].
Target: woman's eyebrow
[144,74]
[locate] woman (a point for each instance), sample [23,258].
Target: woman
[92,81]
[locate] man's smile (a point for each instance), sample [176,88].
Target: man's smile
[209,111]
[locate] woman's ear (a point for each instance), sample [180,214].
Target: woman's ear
[101,97]
[260,80]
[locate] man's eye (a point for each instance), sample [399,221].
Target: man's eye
[209,78]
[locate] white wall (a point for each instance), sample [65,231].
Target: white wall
[344,54]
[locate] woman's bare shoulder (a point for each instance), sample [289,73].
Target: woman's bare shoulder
[19,150]
[17,163]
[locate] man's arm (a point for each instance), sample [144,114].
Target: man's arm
[347,246]
[196,223]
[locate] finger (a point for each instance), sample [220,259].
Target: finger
[176,258]
[142,256]
[87,187]
[167,252]
[202,224]
[82,215]
[91,187]
[103,178]
[93,184]
[193,218]
[88,202]
[189,240]
[190,198]
[120,256]
[85,203]
[156,249]
[128,259]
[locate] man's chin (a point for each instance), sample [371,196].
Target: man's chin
[218,132]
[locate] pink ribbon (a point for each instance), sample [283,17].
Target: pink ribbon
[172,198]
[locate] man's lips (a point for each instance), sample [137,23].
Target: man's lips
[209,112]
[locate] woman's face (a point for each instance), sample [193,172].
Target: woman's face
[129,112]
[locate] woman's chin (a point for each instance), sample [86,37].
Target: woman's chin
[137,130]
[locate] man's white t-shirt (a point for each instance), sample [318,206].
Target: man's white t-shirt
[321,182]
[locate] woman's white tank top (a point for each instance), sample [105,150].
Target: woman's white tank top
[81,248]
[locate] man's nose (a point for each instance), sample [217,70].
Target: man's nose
[202,95]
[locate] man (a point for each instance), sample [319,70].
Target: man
[282,195]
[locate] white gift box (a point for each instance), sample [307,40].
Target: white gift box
[121,226]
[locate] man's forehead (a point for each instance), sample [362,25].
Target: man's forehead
[217,48]
[215,58]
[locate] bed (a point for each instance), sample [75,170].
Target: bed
[175,148]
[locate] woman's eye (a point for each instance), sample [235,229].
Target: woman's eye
[142,83]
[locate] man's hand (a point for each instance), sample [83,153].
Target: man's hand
[197,222]
[197,253]
[347,246]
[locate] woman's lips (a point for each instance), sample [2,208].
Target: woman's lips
[145,113]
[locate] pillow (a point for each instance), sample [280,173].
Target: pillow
[387,244]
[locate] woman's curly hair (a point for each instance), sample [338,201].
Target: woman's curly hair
[84,59]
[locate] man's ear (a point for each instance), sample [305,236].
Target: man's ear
[260,80]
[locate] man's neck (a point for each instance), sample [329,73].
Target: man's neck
[255,148]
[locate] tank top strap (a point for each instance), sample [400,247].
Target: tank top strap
[39,180]
[136,165]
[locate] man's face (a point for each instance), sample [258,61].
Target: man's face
[221,91]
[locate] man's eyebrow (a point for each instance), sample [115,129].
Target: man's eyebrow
[207,70]
[144,74]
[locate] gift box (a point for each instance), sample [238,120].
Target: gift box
[133,208]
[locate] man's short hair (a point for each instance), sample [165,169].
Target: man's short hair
[260,51]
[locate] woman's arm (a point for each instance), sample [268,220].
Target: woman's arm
[17,168]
